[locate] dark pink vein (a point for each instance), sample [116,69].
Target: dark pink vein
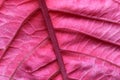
[92,56]
[17,31]
[54,75]
[26,57]
[107,20]
[72,31]
[53,38]
[25,21]
[43,66]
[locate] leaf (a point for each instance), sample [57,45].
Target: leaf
[65,40]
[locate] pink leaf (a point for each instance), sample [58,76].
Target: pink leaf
[59,40]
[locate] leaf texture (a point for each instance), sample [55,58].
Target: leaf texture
[86,34]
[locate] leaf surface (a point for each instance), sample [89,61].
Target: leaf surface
[86,33]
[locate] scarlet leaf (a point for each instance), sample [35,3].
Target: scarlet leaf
[59,40]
